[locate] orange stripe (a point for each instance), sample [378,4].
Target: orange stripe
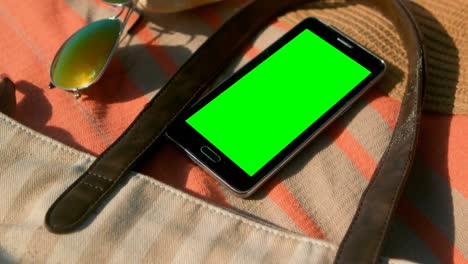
[444,147]
[436,240]
[251,52]
[367,165]
[204,186]
[387,107]
[108,110]
[422,226]
[285,200]
[280,25]
[39,107]
[157,51]
[352,149]
[172,167]
[50,27]
[102,4]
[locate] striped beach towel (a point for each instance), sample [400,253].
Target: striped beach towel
[171,210]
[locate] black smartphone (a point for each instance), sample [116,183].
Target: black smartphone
[250,125]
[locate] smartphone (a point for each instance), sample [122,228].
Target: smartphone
[250,125]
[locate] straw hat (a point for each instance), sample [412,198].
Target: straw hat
[443,24]
[164,6]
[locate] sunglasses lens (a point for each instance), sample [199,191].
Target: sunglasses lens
[84,56]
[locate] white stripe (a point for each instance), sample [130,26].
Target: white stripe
[10,183]
[369,128]
[254,248]
[13,179]
[21,235]
[300,254]
[199,242]
[72,246]
[147,230]
[268,36]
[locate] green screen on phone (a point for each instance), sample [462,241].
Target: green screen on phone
[269,107]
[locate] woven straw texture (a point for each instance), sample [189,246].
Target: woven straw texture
[444,30]
[443,26]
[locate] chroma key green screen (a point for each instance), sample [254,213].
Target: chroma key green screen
[265,110]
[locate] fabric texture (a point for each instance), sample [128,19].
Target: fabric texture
[314,196]
[145,222]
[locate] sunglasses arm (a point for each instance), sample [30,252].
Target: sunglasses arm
[132,28]
[130,10]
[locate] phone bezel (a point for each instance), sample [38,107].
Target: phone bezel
[226,170]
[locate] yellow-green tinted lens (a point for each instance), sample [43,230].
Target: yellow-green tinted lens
[117,1]
[84,56]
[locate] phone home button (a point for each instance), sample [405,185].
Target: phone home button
[210,154]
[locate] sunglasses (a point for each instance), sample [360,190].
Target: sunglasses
[83,58]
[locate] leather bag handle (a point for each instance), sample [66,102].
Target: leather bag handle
[364,238]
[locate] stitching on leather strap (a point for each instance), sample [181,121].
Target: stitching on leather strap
[100,176]
[92,186]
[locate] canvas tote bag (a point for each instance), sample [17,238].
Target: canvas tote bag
[106,202]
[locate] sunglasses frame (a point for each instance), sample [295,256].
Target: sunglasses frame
[124,6]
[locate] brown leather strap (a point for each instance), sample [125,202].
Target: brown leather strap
[365,236]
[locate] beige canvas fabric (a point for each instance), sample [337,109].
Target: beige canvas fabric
[146,222]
